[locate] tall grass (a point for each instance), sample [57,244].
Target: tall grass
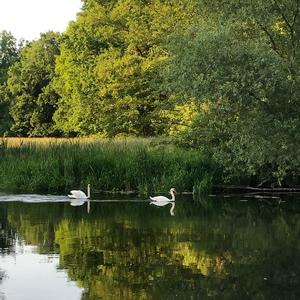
[140,165]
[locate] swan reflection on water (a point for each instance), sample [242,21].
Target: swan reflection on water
[79,202]
[164,203]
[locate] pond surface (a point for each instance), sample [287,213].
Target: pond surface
[242,247]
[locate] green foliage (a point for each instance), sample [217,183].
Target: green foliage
[8,55]
[76,83]
[220,76]
[33,99]
[118,48]
[248,82]
[109,166]
[5,120]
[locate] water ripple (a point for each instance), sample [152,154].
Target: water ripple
[33,198]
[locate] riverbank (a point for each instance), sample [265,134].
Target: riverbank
[139,165]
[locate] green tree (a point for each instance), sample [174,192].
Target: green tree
[246,72]
[30,82]
[76,83]
[119,50]
[8,55]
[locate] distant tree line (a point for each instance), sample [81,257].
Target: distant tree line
[222,76]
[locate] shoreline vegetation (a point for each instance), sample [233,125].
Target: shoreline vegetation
[116,166]
[208,93]
[132,165]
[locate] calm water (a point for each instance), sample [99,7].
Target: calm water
[218,248]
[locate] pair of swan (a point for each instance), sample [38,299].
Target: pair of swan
[77,194]
[78,198]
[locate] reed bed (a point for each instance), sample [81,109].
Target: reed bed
[129,165]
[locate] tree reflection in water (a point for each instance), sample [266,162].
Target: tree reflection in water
[228,250]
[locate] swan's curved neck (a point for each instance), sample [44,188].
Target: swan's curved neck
[88,191]
[173,196]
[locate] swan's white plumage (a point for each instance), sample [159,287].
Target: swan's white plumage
[163,198]
[77,194]
[160,199]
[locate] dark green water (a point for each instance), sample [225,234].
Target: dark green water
[221,248]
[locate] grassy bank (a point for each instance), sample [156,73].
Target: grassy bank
[140,165]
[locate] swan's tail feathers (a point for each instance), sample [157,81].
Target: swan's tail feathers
[152,198]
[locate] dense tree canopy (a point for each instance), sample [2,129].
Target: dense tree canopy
[8,55]
[246,74]
[33,98]
[220,75]
[118,48]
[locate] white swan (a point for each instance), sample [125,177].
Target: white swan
[163,198]
[77,194]
[163,203]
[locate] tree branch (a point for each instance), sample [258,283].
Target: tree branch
[284,17]
[290,26]
[269,35]
[296,13]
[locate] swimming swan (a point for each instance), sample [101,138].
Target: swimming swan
[77,194]
[163,198]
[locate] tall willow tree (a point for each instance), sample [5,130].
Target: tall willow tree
[109,70]
[245,70]
[33,99]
